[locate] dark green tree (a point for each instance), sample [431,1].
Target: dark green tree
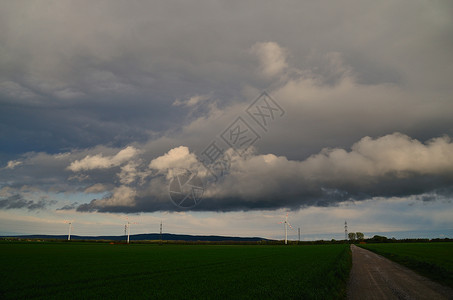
[360,236]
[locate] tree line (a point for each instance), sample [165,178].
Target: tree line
[356,236]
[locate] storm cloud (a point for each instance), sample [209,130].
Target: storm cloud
[17,201]
[390,166]
[108,73]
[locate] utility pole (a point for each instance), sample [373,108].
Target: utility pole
[299,234]
[346,230]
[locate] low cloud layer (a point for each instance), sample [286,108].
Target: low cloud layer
[394,165]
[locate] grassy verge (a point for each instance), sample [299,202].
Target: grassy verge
[433,260]
[89,270]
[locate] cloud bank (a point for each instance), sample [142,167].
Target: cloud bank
[109,73]
[393,165]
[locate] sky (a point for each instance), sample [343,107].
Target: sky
[220,117]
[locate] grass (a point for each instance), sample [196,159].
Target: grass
[90,270]
[433,260]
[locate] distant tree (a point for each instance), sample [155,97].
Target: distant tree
[352,236]
[359,236]
[379,239]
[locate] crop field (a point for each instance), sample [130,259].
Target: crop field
[433,260]
[100,270]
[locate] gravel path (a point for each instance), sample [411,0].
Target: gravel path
[375,277]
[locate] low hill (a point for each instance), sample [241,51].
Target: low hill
[147,237]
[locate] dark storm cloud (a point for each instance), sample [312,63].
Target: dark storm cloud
[76,75]
[385,167]
[115,82]
[71,206]
[16,201]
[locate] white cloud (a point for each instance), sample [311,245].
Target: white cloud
[131,172]
[179,157]
[12,164]
[121,196]
[395,154]
[103,162]
[272,58]
[369,162]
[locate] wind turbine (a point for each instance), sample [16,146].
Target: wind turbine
[161,231]
[286,227]
[127,228]
[70,227]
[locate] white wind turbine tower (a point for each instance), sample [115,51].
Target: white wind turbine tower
[286,227]
[70,227]
[127,228]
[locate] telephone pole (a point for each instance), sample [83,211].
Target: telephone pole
[345,230]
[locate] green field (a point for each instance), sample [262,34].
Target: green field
[91,270]
[433,260]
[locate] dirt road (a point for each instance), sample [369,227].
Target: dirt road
[375,277]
